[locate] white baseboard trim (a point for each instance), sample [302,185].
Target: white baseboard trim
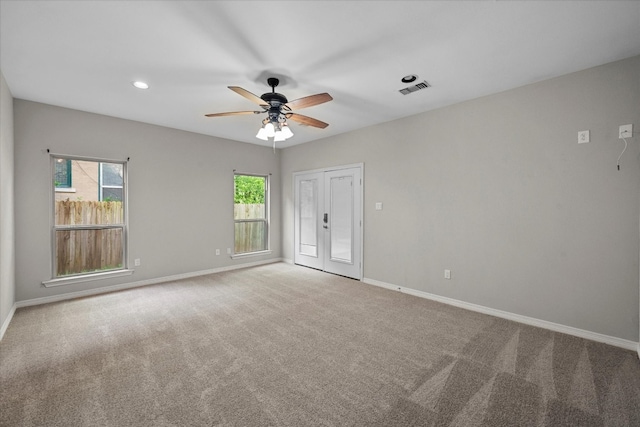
[288,261]
[155,281]
[556,327]
[6,322]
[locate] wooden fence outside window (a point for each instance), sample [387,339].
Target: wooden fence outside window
[87,241]
[250,228]
[88,237]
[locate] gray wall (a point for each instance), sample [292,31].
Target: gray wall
[7,239]
[180,193]
[495,189]
[498,190]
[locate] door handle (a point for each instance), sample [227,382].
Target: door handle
[325,219]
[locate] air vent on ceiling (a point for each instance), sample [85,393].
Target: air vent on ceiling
[414,88]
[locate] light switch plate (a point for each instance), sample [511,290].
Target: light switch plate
[378,206]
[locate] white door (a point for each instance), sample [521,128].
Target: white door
[309,208]
[328,221]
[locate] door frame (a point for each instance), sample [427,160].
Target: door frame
[361,219]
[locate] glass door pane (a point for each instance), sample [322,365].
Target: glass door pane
[308,198]
[341,219]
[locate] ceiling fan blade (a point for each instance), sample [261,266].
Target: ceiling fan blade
[308,121]
[309,101]
[250,96]
[233,113]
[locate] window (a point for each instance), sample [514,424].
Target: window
[111,184]
[89,226]
[62,173]
[251,213]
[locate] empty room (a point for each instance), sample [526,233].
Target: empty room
[319,213]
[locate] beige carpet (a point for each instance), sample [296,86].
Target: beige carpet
[280,345]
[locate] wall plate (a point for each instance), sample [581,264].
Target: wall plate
[583,136]
[625,131]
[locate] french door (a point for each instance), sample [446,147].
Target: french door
[328,220]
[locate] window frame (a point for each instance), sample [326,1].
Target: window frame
[93,275]
[266,220]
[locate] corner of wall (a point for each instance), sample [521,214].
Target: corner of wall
[7,216]
[5,323]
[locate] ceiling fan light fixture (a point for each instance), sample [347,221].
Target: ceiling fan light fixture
[279,136]
[270,130]
[278,110]
[286,131]
[262,134]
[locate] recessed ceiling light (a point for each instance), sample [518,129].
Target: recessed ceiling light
[140,85]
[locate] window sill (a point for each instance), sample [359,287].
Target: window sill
[251,254]
[65,190]
[86,278]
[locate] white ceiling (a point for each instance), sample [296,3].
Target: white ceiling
[84,55]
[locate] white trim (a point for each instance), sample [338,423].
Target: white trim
[288,261]
[250,254]
[86,158]
[5,325]
[556,327]
[87,277]
[97,291]
[331,169]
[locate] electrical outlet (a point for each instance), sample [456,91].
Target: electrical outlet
[447,274]
[583,136]
[136,262]
[625,131]
[228,251]
[217,251]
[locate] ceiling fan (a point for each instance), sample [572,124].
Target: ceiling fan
[278,110]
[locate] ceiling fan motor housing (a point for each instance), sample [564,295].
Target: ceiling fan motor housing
[274,99]
[275,115]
